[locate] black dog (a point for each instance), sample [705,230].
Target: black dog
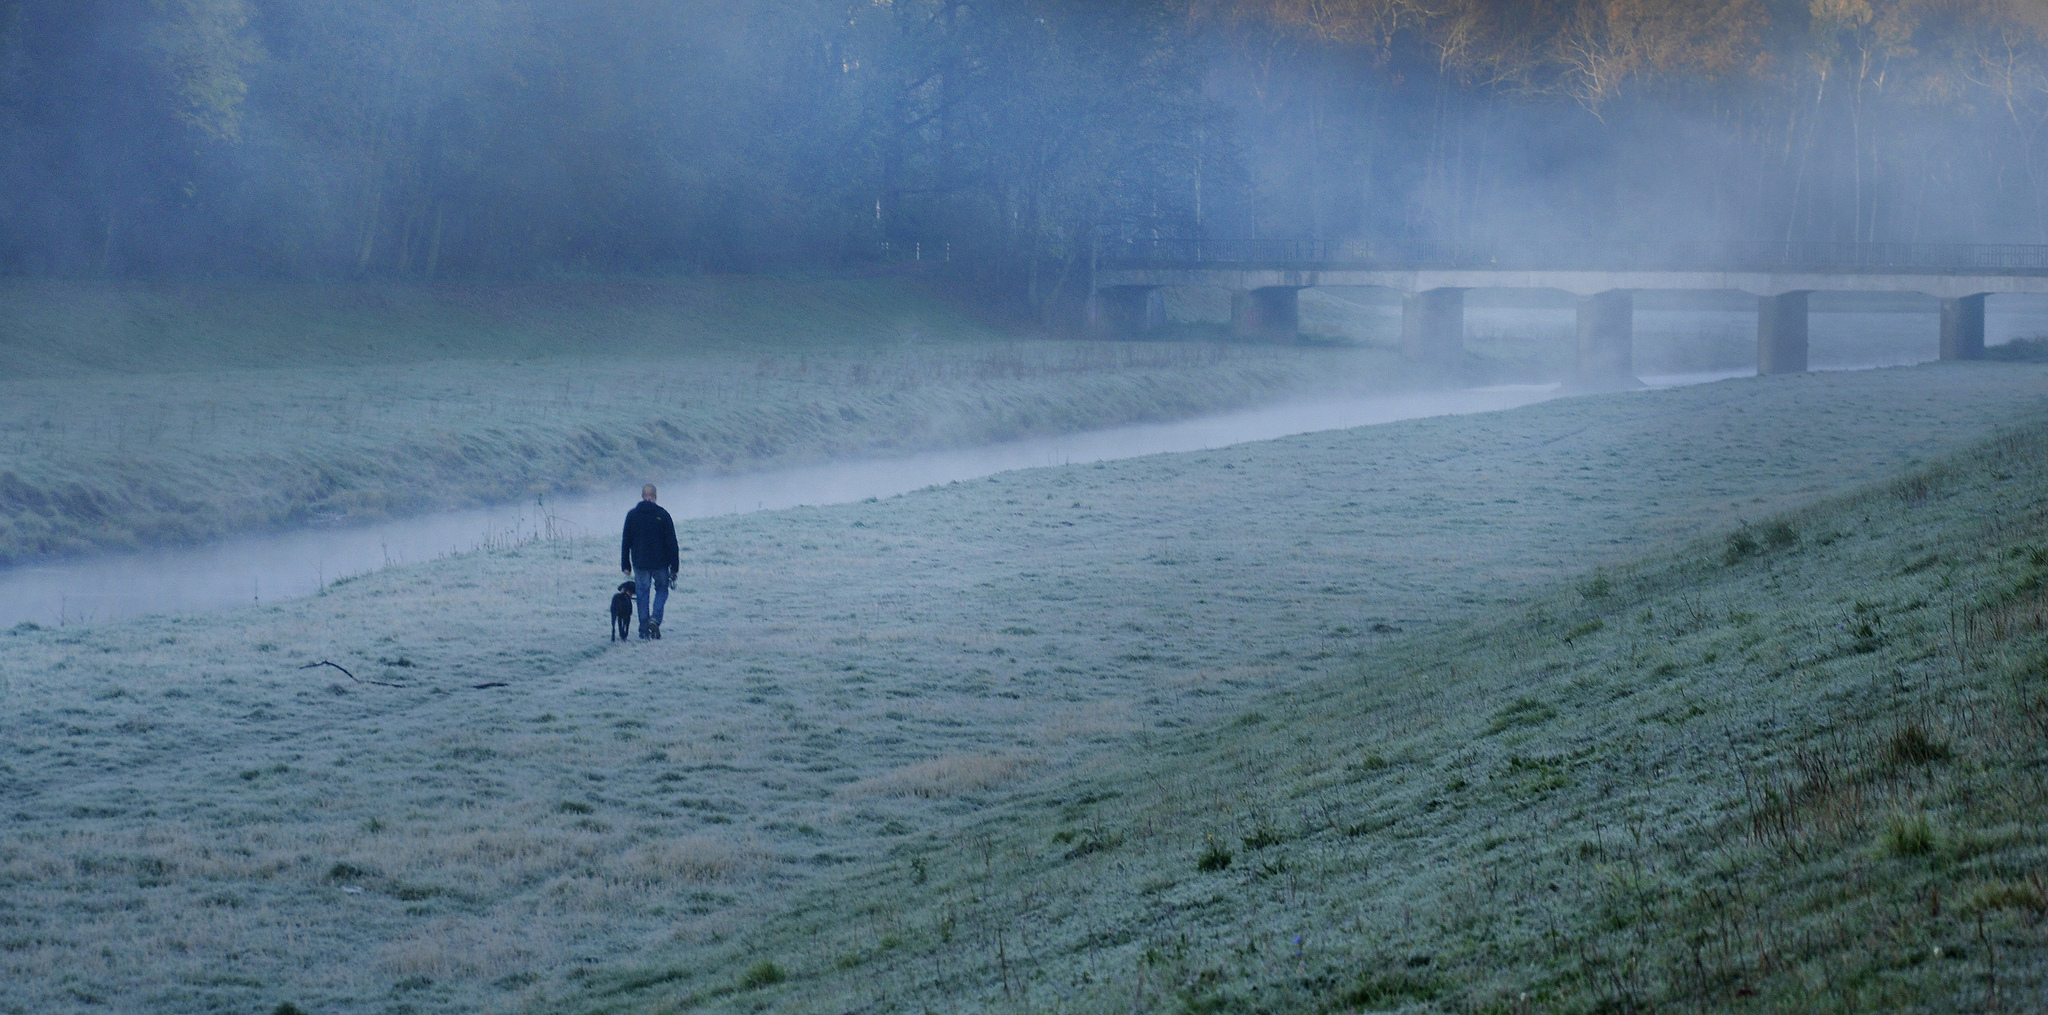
[622,611]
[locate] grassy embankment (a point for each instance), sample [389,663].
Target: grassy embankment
[1800,765]
[136,414]
[978,739]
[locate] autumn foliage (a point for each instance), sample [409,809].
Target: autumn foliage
[494,138]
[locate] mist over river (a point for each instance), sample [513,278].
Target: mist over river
[268,567]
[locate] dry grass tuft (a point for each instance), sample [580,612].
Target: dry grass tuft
[696,859]
[946,776]
[2026,895]
[1088,725]
[460,949]
[2023,614]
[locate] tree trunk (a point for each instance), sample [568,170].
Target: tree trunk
[369,243]
[434,246]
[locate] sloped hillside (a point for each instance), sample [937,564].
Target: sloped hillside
[1798,766]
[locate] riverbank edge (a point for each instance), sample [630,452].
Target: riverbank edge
[904,370]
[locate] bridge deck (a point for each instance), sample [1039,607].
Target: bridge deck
[1943,284]
[1945,270]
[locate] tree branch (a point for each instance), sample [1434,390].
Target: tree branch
[346,673]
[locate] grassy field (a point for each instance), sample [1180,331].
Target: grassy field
[968,748]
[1800,764]
[135,415]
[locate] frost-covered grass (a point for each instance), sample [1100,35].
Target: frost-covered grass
[1793,766]
[967,748]
[134,415]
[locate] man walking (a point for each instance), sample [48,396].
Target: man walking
[649,554]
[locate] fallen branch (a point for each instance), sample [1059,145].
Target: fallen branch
[494,683]
[346,673]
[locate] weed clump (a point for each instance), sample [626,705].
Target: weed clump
[1779,534]
[1593,626]
[1913,745]
[764,973]
[1598,586]
[1746,541]
[1916,487]
[1520,712]
[1909,836]
[1742,545]
[1214,858]
[1263,836]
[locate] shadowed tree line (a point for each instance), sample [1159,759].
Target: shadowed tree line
[439,138]
[467,138]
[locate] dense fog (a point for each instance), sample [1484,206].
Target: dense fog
[512,138]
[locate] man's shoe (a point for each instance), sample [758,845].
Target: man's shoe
[654,632]
[644,636]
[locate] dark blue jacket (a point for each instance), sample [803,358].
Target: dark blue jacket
[650,540]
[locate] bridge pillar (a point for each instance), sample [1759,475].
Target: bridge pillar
[1781,333]
[1433,326]
[1606,360]
[1272,313]
[1962,327]
[1127,311]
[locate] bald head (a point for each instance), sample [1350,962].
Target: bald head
[647,492]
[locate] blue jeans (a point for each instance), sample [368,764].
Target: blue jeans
[642,578]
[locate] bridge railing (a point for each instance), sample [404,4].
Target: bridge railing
[1753,255]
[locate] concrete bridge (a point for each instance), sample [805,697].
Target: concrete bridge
[1265,278]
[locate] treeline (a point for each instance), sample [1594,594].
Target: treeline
[1644,120]
[439,138]
[462,138]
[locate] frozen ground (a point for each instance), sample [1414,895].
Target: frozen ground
[196,823]
[1796,766]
